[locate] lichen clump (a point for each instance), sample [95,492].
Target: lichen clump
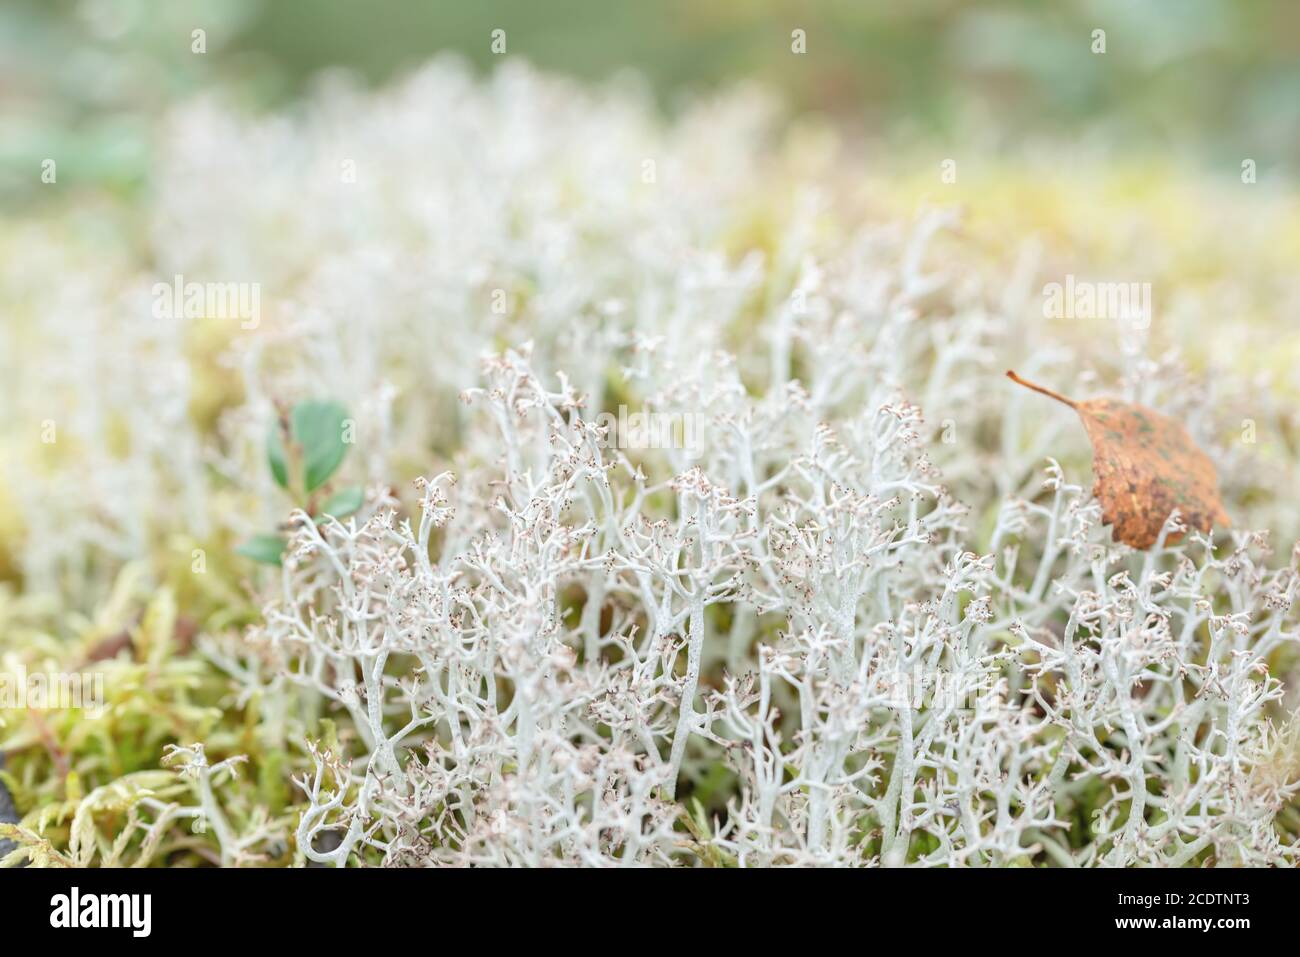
[852,606]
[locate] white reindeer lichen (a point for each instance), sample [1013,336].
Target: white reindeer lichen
[826,631]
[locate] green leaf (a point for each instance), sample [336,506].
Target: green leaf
[266,549]
[318,429]
[342,503]
[275,456]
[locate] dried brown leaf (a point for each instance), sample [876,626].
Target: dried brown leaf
[1146,465]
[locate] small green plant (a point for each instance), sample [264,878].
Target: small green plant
[304,448]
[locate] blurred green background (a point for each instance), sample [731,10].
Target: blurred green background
[1205,80]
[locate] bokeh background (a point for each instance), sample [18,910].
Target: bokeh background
[1124,166]
[1207,81]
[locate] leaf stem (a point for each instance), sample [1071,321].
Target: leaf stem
[1038,388]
